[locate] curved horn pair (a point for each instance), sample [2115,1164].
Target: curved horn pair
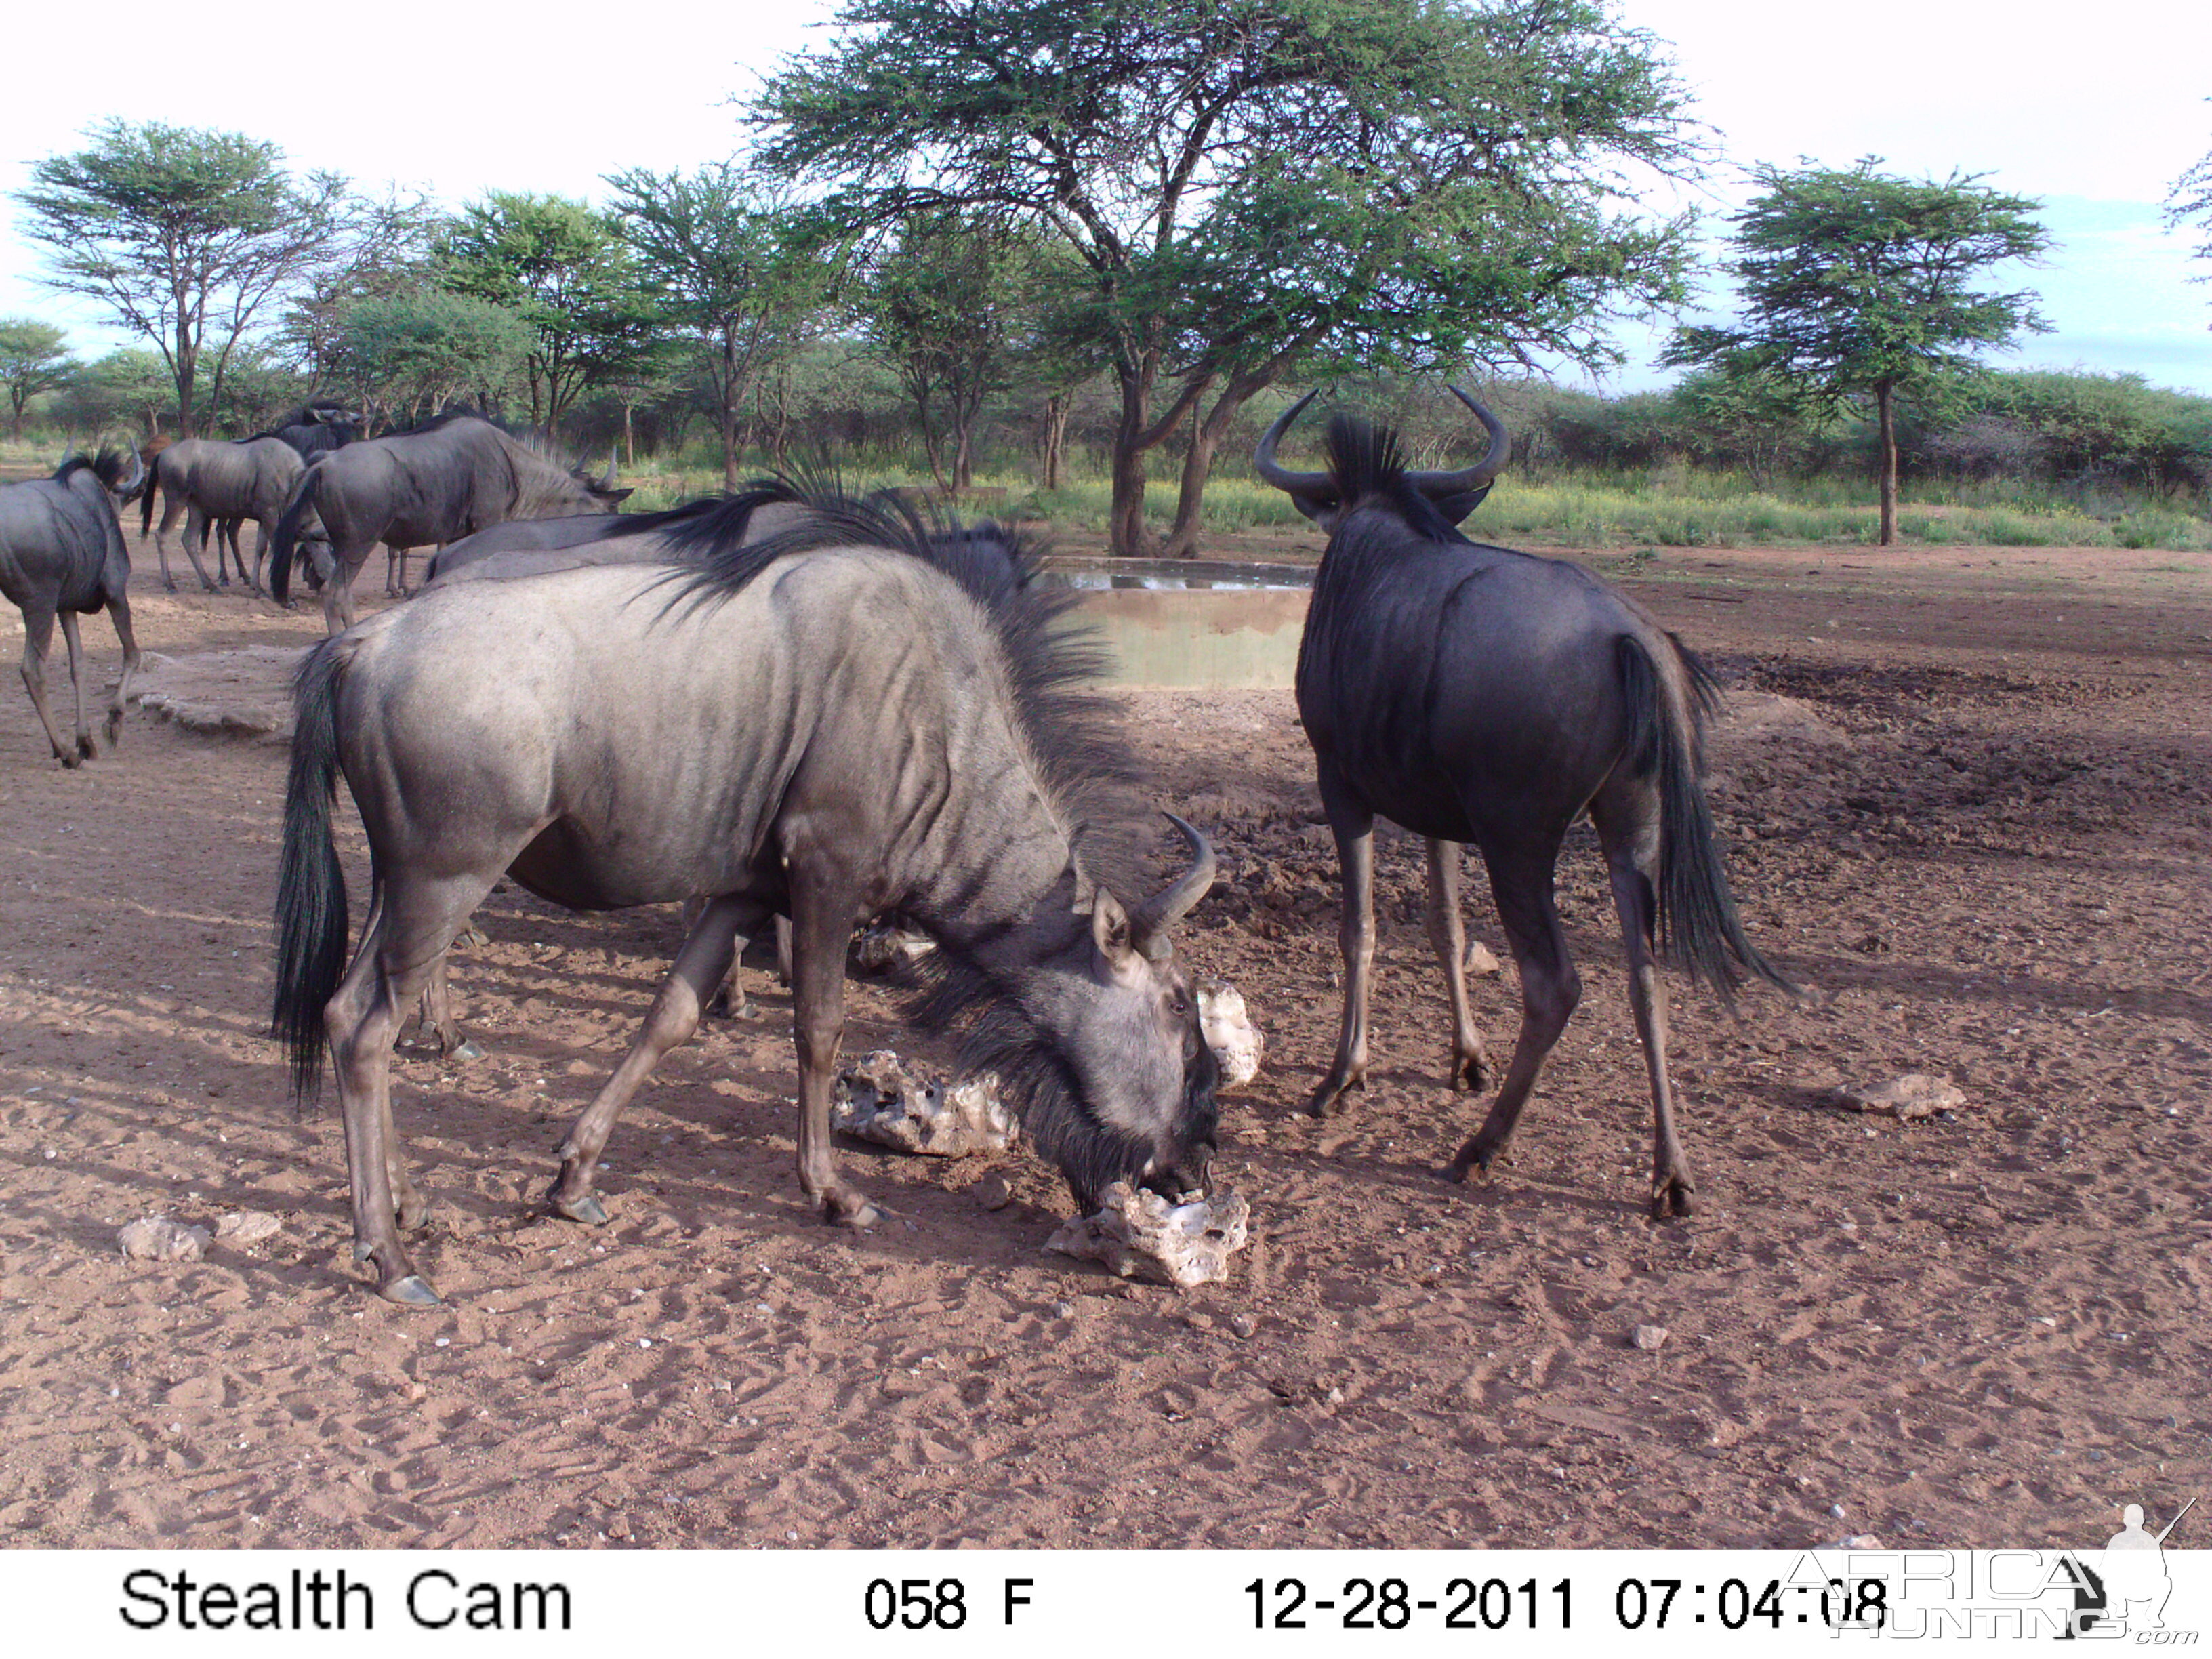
[1431,484]
[1148,928]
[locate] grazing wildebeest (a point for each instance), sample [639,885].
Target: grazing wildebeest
[846,720]
[62,555]
[1472,693]
[449,478]
[213,481]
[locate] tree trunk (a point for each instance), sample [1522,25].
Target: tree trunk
[729,412]
[629,438]
[1055,435]
[1886,412]
[1126,533]
[1198,461]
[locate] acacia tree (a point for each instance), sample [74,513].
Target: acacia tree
[34,357]
[738,265]
[1858,286]
[2191,198]
[561,268]
[1250,183]
[412,353]
[185,233]
[950,304]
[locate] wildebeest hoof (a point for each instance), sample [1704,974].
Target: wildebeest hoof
[850,1210]
[411,1211]
[168,587]
[1332,1091]
[465,1050]
[584,1207]
[87,749]
[1470,1076]
[1672,1198]
[70,758]
[412,1292]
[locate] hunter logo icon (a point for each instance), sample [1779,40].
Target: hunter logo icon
[2127,1590]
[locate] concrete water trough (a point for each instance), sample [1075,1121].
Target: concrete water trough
[1188,621]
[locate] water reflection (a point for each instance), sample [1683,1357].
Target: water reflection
[1162,574]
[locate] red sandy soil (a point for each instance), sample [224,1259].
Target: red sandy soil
[1967,800]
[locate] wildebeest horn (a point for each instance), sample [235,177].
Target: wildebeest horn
[608,483]
[1263,459]
[128,487]
[1148,928]
[1433,484]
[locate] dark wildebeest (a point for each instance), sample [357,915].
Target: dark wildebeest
[212,480]
[448,478]
[846,719]
[1472,693]
[62,555]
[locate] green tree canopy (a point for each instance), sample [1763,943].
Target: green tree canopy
[562,268]
[1860,286]
[953,303]
[737,265]
[34,357]
[185,233]
[410,353]
[1255,183]
[131,387]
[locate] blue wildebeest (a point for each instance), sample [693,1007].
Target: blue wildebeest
[533,547]
[450,478]
[213,481]
[1472,693]
[62,555]
[844,720]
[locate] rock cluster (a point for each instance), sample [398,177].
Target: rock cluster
[1914,1094]
[878,1098]
[1140,1235]
[1230,1032]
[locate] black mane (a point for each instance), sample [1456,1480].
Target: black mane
[106,466]
[1366,461]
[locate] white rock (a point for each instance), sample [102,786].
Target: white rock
[242,1227]
[1230,1032]
[879,1099]
[1915,1095]
[1140,1235]
[1480,961]
[1649,1338]
[158,1238]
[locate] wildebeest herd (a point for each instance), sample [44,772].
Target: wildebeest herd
[796,703]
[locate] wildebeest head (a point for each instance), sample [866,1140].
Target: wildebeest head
[1321,495]
[108,467]
[1103,1050]
[602,489]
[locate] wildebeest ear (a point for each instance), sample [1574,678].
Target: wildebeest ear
[1456,508]
[616,495]
[1109,932]
[1313,507]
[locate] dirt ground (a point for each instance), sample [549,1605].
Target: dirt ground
[1967,800]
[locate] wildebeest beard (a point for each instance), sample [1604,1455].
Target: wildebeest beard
[1039,1082]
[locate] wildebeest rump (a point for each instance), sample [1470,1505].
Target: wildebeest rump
[1474,694]
[454,476]
[62,555]
[846,721]
[215,481]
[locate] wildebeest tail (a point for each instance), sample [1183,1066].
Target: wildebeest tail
[146,497]
[285,546]
[311,892]
[1697,917]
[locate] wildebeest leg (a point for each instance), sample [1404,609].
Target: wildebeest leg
[195,540]
[1632,859]
[699,968]
[1448,938]
[338,593]
[228,530]
[1521,881]
[119,613]
[438,1014]
[85,747]
[402,937]
[38,634]
[395,572]
[728,1001]
[170,506]
[783,949]
[1353,826]
[824,903]
[264,531]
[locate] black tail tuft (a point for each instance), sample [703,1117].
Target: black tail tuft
[311,893]
[1697,918]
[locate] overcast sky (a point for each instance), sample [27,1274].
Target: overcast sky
[2096,112]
